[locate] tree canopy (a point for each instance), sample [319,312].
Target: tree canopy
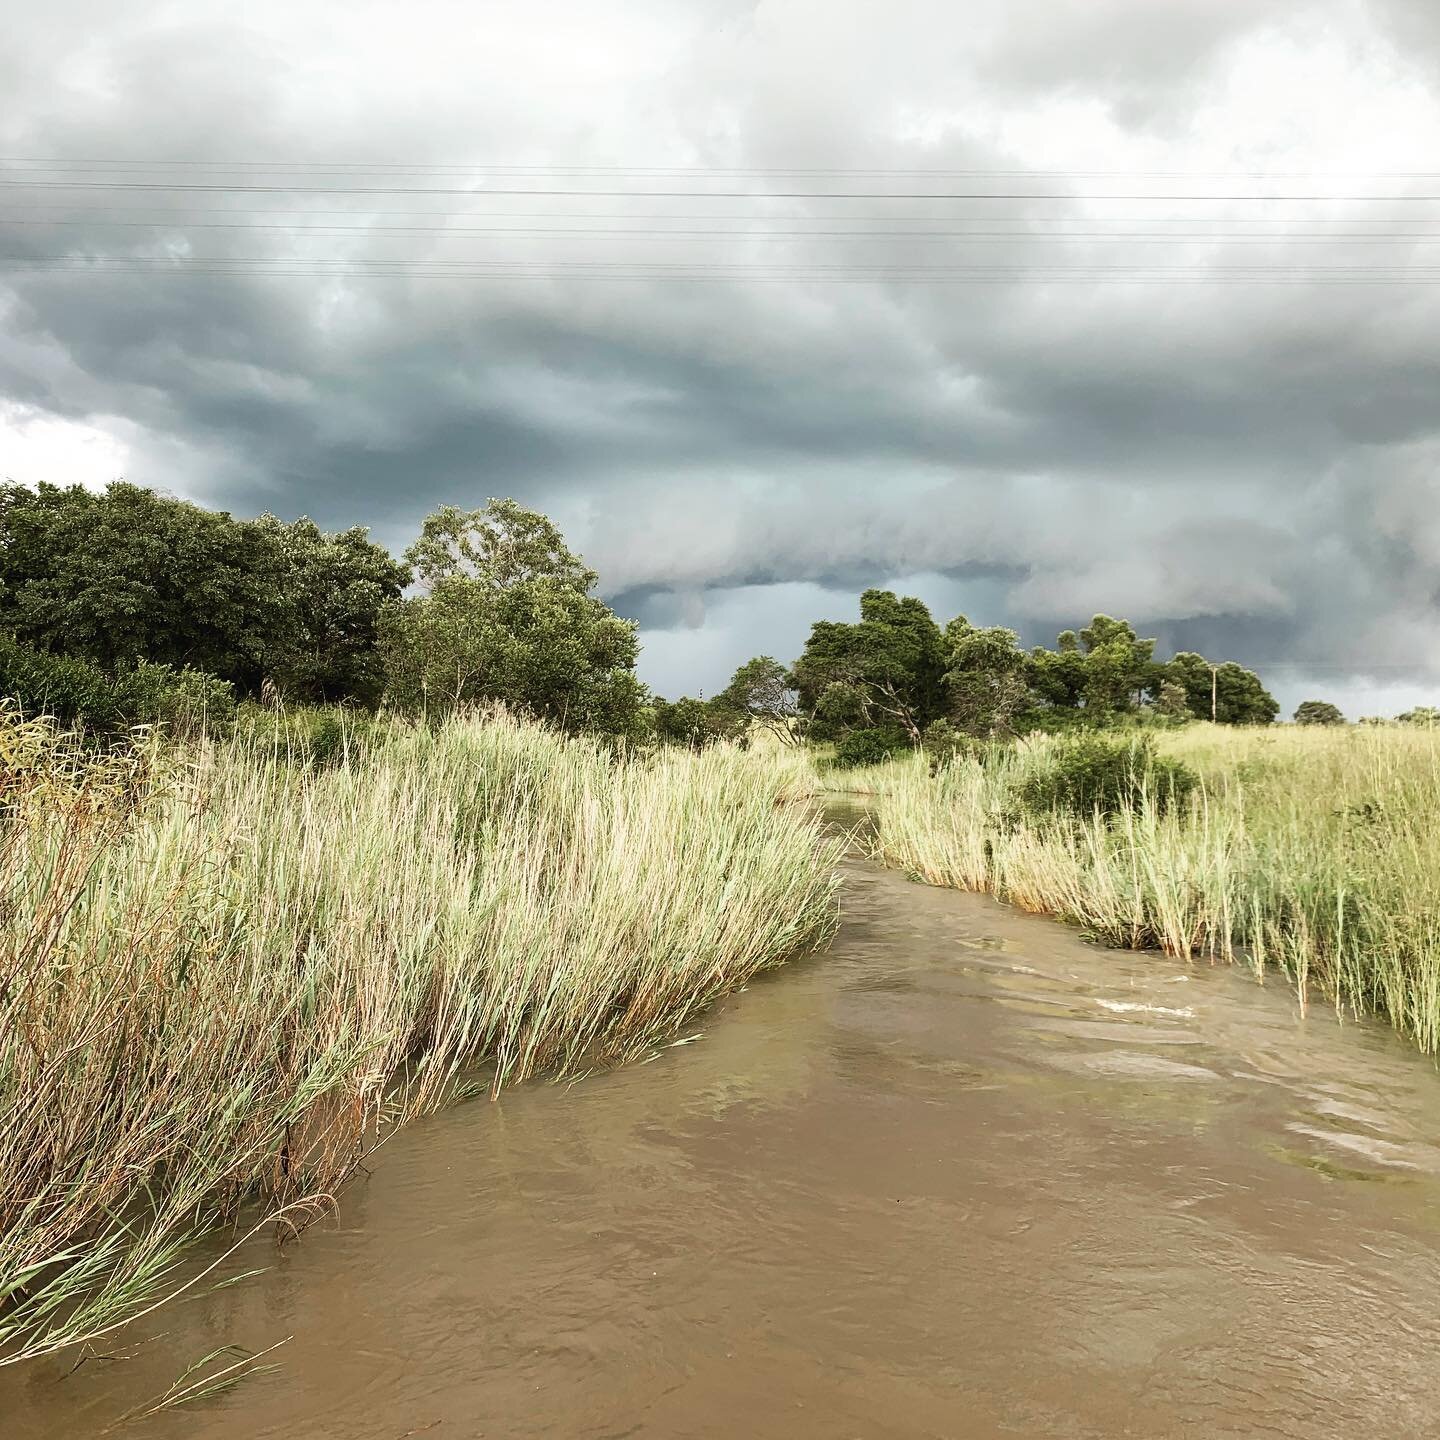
[508,617]
[125,575]
[886,671]
[1318,712]
[896,674]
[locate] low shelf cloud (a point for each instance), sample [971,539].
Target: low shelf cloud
[1037,310]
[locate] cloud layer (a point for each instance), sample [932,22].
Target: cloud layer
[769,412]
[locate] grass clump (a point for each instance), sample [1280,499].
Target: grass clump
[224,977]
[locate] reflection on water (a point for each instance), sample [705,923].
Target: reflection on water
[962,1176]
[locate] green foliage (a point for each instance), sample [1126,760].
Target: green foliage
[1086,774]
[78,692]
[986,677]
[1318,712]
[886,671]
[1237,694]
[1172,702]
[1118,665]
[1421,715]
[127,576]
[872,746]
[500,546]
[1057,677]
[696,723]
[944,744]
[508,618]
[336,587]
[311,735]
[183,701]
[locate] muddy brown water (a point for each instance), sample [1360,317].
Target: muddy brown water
[963,1175]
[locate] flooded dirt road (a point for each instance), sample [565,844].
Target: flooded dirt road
[961,1176]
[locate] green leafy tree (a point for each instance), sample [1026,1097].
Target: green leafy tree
[1172,703]
[1318,712]
[128,576]
[764,692]
[1118,666]
[337,587]
[508,617]
[1237,694]
[1421,715]
[696,723]
[886,671]
[987,678]
[1057,676]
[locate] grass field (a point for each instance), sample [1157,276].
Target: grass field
[225,975]
[1313,850]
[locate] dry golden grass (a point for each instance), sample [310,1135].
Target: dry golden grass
[1312,849]
[223,981]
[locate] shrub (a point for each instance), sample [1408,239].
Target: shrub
[868,747]
[77,692]
[1090,773]
[183,701]
[71,690]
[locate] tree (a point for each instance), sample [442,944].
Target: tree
[1421,715]
[129,576]
[508,617]
[987,678]
[886,671]
[1118,665]
[1058,676]
[1237,696]
[1172,701]
[765,693]
[500,546]
[696,723]
[1318,712]
[338,585]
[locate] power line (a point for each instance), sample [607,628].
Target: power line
[1066,219]
[214,187]
[101,165]
[652,233]
[252,267]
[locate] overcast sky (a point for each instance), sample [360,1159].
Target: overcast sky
[1093,407]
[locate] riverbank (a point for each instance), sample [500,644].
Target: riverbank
[227,975]
[1311,851]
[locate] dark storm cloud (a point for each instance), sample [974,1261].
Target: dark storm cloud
[1242,469]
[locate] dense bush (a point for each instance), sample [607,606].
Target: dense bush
[78,692]
[1089,773]
[183,701]
[868,747]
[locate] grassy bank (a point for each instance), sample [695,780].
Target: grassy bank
[225,974]
[1314,850]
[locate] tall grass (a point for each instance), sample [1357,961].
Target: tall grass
[1313,850]
[225,975]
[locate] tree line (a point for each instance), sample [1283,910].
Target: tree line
[126,606]
[117,604]
[897,679]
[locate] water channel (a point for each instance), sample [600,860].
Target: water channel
[963,1175]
